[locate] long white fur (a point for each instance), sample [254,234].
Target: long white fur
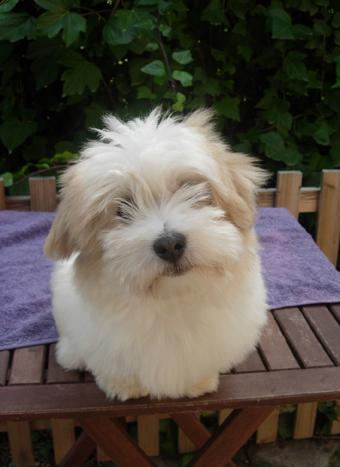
[120,312]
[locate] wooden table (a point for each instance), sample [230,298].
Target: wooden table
[298,360]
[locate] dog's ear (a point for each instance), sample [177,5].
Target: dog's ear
[60,242]
[76,221]
[239,176]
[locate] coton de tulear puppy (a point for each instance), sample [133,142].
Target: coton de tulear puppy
[158,284]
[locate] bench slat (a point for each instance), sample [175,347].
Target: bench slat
[56,374]
[4,361]
[275,349]
[336,311]
[326,328]
[302,338]
[251,364]
[236,390]
[28,365]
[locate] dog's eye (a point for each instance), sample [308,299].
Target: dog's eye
[198,190]
[125,208]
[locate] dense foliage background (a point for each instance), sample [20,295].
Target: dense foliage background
[270,69]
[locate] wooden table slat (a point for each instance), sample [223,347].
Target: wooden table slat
[301,338]
[336,310]
[326,327]
[251,364]
[275,349]
[28,365]
[4,361]
[56,374]
[237,390]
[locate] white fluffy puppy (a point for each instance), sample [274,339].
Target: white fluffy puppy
[158,284]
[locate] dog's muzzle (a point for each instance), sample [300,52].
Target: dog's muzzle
[170,246]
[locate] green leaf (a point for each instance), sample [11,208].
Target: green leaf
[302,32]
[229,107]
[14,132]
[183,57]
[73,25]
[282,118]
[214,13]
[155,68]
[291,156]
[70,58]
[294,66]
[44,55]
[273,145]
[51,22]
[336,20]
[178,105]
[183,77]
[335,149]
[322,133]
[120,28]
[51,5]
[7,5]
[244,147]
[165,30]
[281,24]
[77,79]
[15,26]
[143,92]
[151,46]
[245,52]
[7,178]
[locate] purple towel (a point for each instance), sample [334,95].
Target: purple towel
[296,272]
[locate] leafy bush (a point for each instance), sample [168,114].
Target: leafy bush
[270,69]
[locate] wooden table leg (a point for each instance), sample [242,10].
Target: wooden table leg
[111,436]
[230,437]
[192,427]
[80,452]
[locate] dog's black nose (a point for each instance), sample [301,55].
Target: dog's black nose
[170,246]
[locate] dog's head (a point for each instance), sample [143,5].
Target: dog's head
[155,198]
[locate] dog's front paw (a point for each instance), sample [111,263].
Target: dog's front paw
[122,390]
[204,386]
[67,356]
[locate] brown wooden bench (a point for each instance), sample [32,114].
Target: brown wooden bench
[297,362]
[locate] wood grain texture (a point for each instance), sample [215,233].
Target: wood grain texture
[288,187]
[2,195]
[326,328]
[335,426]
[43,193]
[301,338]
[20,443]
[63,437]
[267,431]
[230,437]
[309,199]
[148,434]
[4,362]
[274,347]
[328,231]
[336,311]
[27,366]
[56,374]
[79,453]
[305,420]
[184,444]
[190,424]
[223,415]
[20,203]
[113,439]
[236,390]
[252,363]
